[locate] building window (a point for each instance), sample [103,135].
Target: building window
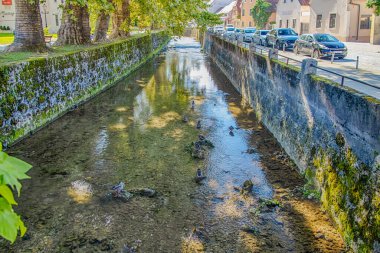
[294,23]
[243,12]
[280,23]
[56,20]
[250,23]
[365,22]
[287,23]
[318,23]
[332,22]
[285,1]
[242,24]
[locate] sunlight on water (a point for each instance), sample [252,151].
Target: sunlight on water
[80,191]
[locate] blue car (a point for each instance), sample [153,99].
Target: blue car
[320,45]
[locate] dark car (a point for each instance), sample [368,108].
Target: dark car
[280,37]
[260,36]
[320,45]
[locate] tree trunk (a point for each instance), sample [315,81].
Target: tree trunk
[75,27]
[121,20]
[29,35]
[101,29]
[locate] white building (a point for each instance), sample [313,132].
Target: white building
[51,14]
[294,14]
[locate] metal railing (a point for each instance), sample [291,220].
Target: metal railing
[265,51]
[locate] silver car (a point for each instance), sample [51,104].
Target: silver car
[247,35]
[260,37]
[230,32]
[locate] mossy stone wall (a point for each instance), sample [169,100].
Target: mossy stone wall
[331,132]
[35,92]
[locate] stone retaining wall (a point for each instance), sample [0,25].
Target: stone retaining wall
[331,132]
[33,93]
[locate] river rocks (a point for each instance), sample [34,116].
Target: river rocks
[199,176]
[144,192]
[250,229]
[250,151]
[268,205]
[247,186]
[199,126]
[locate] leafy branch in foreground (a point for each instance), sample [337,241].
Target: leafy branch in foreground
[11,171]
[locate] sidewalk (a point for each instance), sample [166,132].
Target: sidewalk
[369,67]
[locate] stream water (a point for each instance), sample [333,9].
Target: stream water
[134,133]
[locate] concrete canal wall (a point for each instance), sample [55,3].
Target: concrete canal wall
[331,132]
[35,92]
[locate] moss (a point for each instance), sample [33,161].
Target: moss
[41,99]
[348,193]
[339,140]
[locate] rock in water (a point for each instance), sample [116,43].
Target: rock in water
[232,133]
[145,192]
[185,119]
[199,176]
[247,186]
[231,128]
[199,124]
[250,151]
[249,229]
[192,105]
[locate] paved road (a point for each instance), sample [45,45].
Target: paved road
[369,67]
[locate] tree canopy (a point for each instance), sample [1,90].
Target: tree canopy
[261,13]
[374,4]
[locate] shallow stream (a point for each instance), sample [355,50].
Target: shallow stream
[134,133]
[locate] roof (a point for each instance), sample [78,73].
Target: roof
[273,8]
[304,2]
[216,5]
[226,9]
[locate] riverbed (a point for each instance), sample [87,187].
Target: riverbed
[135,133]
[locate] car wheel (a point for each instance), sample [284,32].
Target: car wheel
[278,45]
[316,54]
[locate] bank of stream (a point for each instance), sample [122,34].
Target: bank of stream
[135,133]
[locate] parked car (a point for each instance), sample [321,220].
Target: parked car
[320,45]
[238,32]
[259,37]
[218,29]
[280,37]
[247,34]
[230,32]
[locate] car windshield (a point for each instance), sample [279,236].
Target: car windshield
[286,32]
[325,38]
[264,32]
[230,29]
[249,31]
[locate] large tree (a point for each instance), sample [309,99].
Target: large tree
[121,19]
[29,35]
[75,26]
[261,13]
[102,10]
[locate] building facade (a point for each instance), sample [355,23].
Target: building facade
[348,20]
[293,14]
[241,17]
[51,14]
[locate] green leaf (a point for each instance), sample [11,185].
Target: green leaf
[13,169]
[7,194]
[9,221]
